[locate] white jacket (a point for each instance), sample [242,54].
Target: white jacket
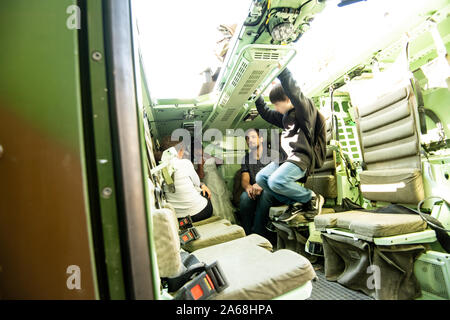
[187,199]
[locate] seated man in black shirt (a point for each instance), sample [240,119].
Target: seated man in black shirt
[254,203]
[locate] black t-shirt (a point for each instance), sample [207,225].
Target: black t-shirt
[254,166]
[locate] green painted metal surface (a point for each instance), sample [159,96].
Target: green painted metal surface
[103,148]
[44,214]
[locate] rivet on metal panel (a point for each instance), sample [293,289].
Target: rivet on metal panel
[97,56]
[106,192]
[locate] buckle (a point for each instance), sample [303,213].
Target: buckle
[217,276]
[203,286]
[185,223]
[189,235]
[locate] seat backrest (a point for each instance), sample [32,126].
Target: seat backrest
[167,242]
[329,163]
[322,180]
[390,144]
[220,198]
[388,131]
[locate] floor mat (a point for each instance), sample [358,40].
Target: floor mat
[329,290]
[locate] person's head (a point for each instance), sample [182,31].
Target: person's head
[253,139]
[167,143]
[279,99]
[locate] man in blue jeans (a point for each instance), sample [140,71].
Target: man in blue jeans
[254,203]
[293,112]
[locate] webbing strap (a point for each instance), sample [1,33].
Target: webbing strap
[175,283]
[424,112]
[198,282]
[420,107]
[168,179]
[210,281]
[433,116]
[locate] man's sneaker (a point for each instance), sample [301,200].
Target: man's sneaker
[314,206]
[291,212]
[271,227]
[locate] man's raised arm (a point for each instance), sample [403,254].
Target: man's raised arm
[270,116]
[305,112]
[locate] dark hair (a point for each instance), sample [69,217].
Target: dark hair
[178,143]
[250,130]
[277,94]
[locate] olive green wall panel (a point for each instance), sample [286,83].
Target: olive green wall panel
[44,218]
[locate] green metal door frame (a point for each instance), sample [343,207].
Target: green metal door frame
[130,192]
[124,260]
[99,153]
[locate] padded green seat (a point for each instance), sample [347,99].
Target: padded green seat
[213,230]
[253,272]
[390,145]
[372,225]
[323,183]
[323,180]
[214,233]
[393,185]
[251,269]
[206,221]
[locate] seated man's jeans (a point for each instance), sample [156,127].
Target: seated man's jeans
[255,213]
[280,182]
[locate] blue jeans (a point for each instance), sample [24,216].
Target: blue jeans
[280,182]
[255,213]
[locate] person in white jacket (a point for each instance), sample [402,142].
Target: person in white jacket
[191,197]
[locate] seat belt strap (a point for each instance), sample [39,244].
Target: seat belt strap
[433,116]
[168,179]
[420,107]
[209,282]
[198,282]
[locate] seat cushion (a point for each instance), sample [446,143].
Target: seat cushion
[392,185]
[322,222]
[323,183]
[209,220]
[254,273]
[372,224]
[214,233]
[386,225]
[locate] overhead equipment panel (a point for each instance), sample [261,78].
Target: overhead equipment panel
[260,49]
[256,67]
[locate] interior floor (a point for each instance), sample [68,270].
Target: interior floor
[329,290]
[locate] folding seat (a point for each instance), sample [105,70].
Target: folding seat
[248,267]
[390,145]
[214,231]
[323,180]
[356,243]
[294,235]
[211,231]
[218,228]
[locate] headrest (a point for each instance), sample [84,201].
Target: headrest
[167,242]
